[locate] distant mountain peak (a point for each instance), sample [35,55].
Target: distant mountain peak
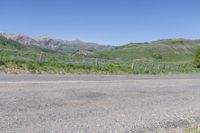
[58,45]
[46,37]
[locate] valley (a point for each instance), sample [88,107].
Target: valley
[23,54]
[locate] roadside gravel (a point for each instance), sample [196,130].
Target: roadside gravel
[89,103]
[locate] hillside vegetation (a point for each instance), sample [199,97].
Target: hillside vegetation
[197,58]
[19,58]
[163,56]
[170,51]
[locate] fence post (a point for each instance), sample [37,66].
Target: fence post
[42,57]
[164,66]
[96,61]
[132,66]
[158,66]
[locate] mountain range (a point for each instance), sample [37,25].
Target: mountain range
[170,49]
[22,54]
[58,45]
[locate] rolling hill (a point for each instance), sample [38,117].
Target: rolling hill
[13,53]
[162,56]
[166,50]
[170,50]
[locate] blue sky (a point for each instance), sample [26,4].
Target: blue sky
[113,22]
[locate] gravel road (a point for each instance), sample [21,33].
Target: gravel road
[92,104]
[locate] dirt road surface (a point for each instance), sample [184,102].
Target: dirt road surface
[91,104]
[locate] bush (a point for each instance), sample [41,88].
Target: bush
[31,66]
[197,58]
[2,63]
[157,56]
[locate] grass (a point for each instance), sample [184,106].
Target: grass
[55,66]
[129,59]
[171,51]
[197,58]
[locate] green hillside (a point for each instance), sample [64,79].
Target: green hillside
[13,50]
[19,58]
[16,57]
[158,57]
[170,51]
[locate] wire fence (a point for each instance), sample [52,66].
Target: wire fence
[137,67]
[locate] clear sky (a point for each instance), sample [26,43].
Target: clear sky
[113,22]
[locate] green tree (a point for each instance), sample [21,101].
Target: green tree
[157,56]
[197,58]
